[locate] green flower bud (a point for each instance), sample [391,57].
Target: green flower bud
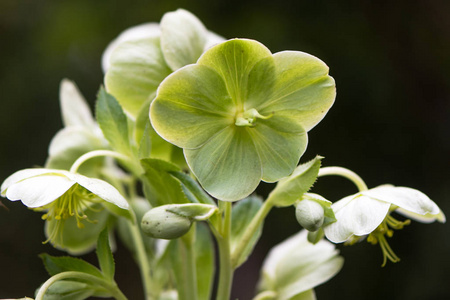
[160,223]
[310,214]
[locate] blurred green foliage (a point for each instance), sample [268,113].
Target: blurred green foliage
[390,122]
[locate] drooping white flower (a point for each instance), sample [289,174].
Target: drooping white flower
[294,267]
[60,193]
[367,213]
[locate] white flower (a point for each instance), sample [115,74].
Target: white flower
[294,267]
[368,213]
[177,27]
[60,193]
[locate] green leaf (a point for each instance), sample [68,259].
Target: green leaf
[200,195]
[159,186]
[145,146]
[75,240]
[292,188]
[137,68]
[104,256]
[183,38]
[55,265]
[112,121]
[205,261]
[242,214]
[227,166]
[193,211]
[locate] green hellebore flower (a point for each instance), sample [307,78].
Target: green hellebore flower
[242,114]
[61,194]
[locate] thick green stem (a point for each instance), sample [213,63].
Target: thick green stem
[112,288]
[350,175]
[250,231]
[223,242]
[189,266]
[142,258]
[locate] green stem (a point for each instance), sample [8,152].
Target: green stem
[142,258]
[128,162]
[350,175]
[250,231]
[187,252]
[115,292]
[223,242]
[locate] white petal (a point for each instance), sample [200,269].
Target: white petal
[74,109]
[212,39]
[356,215]
[295,265]
[39,190]
[21,175]
[70,138]
[407,198]
[428,218]
[183,38]
[102,189]
[133,33]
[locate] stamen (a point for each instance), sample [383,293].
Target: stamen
[248,118]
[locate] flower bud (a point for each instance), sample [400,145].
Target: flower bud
[162,224]
[310,214]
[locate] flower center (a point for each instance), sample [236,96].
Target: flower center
[248,118]
[378,236]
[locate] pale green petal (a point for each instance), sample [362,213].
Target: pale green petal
[227,166]
[307,295]
[279,151]
[302,85]
[296,266]
[407,198]
[427,218]
[234,60]
[72,142]
[137,68]
[356,215]
[100,188]
[191,106]
[138,32]
[183,38]
[75,111]
[39,190]
[76,240]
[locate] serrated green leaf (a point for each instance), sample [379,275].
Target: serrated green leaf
[104,255]
[242,214]
[55,265]
[113,121]
[160,187]
[200,195]
[292,188]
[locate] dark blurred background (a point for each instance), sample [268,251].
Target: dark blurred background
[390,122]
